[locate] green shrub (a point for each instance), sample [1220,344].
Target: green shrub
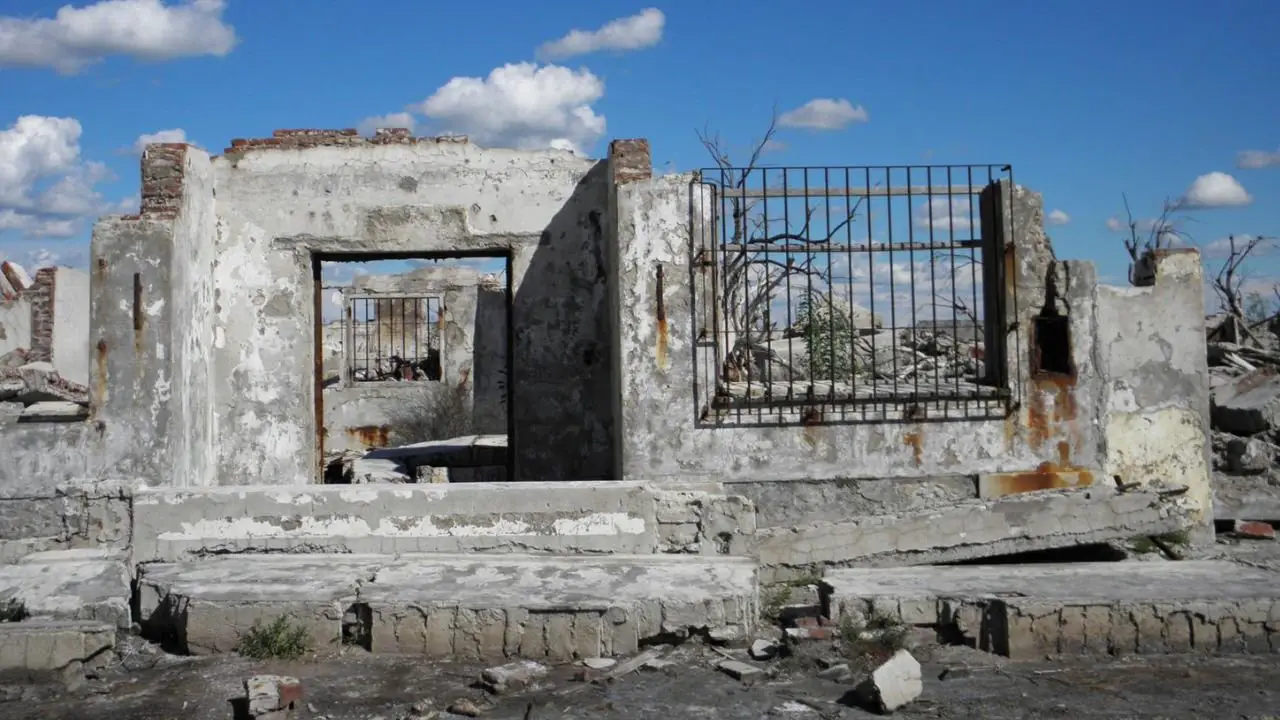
[279,639]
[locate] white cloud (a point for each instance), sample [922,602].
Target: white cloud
[1257,159]
[1057,217]
[1222,246]
[1115,224]
[370,124]
[46,188]
[636,32]
[522,106]
[173,135]
[144,29]
[1216,190]
[945,213]
[824,114]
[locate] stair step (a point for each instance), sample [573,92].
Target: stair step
[69,585]
[1035,610]
[466,607]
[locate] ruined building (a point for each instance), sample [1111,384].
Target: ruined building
[666,447]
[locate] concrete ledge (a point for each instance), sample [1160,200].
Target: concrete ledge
[452,606]
[1027,611]
[1247,497]
[969,530]
[35,650]
[70,585]
[573,517]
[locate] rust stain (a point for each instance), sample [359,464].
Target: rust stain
[1064,453]
[100,382]
[1048,476]
[811,419]
[370,436]
[915,440]
[661,314]
[102,268]
[138,319]
[1043,422]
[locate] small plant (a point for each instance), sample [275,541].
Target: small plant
[280,639]
[12,610]
[775,600]
[872,641]
[432,412]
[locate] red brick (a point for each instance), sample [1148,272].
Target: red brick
[1255,530]
[290,693]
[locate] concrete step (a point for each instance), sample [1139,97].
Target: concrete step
[69,585]
[1028,611]
[466,607]
[39,649]
[561,517]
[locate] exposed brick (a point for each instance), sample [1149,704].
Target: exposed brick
[41,295]
[311,138]
[1255,530]
[630,160]
[162,179]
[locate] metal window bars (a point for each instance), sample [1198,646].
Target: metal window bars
[394,338]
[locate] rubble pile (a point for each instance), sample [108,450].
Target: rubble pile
[36,389]
[1244,382]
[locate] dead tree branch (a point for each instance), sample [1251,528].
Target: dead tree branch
[1228,284]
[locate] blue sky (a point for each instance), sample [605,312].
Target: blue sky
[1086,99]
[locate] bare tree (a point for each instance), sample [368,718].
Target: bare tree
[760,258]
[1228,284]
[1164,231]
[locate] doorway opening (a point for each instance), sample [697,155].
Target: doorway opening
[413,366]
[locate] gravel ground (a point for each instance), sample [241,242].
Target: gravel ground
[152,686]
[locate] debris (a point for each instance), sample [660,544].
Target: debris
[1254,530]
[763,649]
[894,684]
[272,697]
[739,670]
[835,672]
[512,676]
[599,663]
[724,635]
[626,667]
[421,710]
[955,673]
[1248,404]
[465,708]
[660,664]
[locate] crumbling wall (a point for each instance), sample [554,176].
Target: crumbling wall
[301,193]
[1152,351]
[1052,428]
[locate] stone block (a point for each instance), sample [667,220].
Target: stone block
[1248,404]
[894,684]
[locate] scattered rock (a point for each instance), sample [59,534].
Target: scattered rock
[724,635]
[837,672]
[1248,456]
[661,664]
[272,697]
[464,707]
[1254,530]
[421,710]
[1248,404]
[512,676]
[599,663]
[895,683]
[739,670]
[763,649]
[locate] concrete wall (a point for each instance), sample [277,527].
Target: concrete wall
[663,439]
[1156,411]
[71,325]
[15,324]
[280,201]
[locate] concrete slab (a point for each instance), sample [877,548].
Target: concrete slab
[70,585]
[1248,497]
[465,451]
[1036,610]
[34,649]
[479,607]
[565,517]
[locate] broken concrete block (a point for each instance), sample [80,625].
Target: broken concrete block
[599,663]
[763,649]
[41,382]
[1254,530]
[54,411]
[739,670]
[1248,456]
[1248,404]
[373,470]
[894,684]
[272,696]
[513,676]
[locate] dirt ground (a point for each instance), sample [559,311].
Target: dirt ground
[958,683]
